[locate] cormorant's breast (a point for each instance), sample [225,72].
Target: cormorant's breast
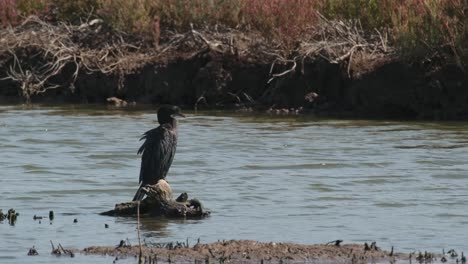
[158,152]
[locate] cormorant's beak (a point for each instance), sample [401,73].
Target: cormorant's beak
[178,115]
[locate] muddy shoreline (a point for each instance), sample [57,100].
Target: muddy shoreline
[228,69]
[248,251]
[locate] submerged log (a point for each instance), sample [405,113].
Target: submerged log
[159,202]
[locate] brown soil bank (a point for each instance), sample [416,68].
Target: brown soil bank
[247,251]
[354,75]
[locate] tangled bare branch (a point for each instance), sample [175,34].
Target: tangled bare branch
[37,52]
[338,42]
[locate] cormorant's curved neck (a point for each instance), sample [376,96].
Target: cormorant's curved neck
[174,123]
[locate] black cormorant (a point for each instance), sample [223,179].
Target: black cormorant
[159,148]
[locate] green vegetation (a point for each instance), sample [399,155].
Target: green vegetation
[418,28]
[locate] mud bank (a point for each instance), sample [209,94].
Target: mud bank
[230,70]
[247,251]
[207,81]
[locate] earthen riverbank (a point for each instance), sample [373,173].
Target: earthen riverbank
[339,71]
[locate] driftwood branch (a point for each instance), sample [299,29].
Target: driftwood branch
[273,76]
[159,202]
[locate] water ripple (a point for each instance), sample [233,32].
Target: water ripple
[293,179]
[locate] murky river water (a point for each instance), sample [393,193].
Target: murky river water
[290,179]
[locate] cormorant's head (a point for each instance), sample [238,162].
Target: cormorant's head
[167,113]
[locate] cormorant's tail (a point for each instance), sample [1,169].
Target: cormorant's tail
[139,194]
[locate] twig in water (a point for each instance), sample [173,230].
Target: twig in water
[55,251]
[335,242]
[140,259]
[33,252]
[66,251]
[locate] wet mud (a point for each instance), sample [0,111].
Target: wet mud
[248,251]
